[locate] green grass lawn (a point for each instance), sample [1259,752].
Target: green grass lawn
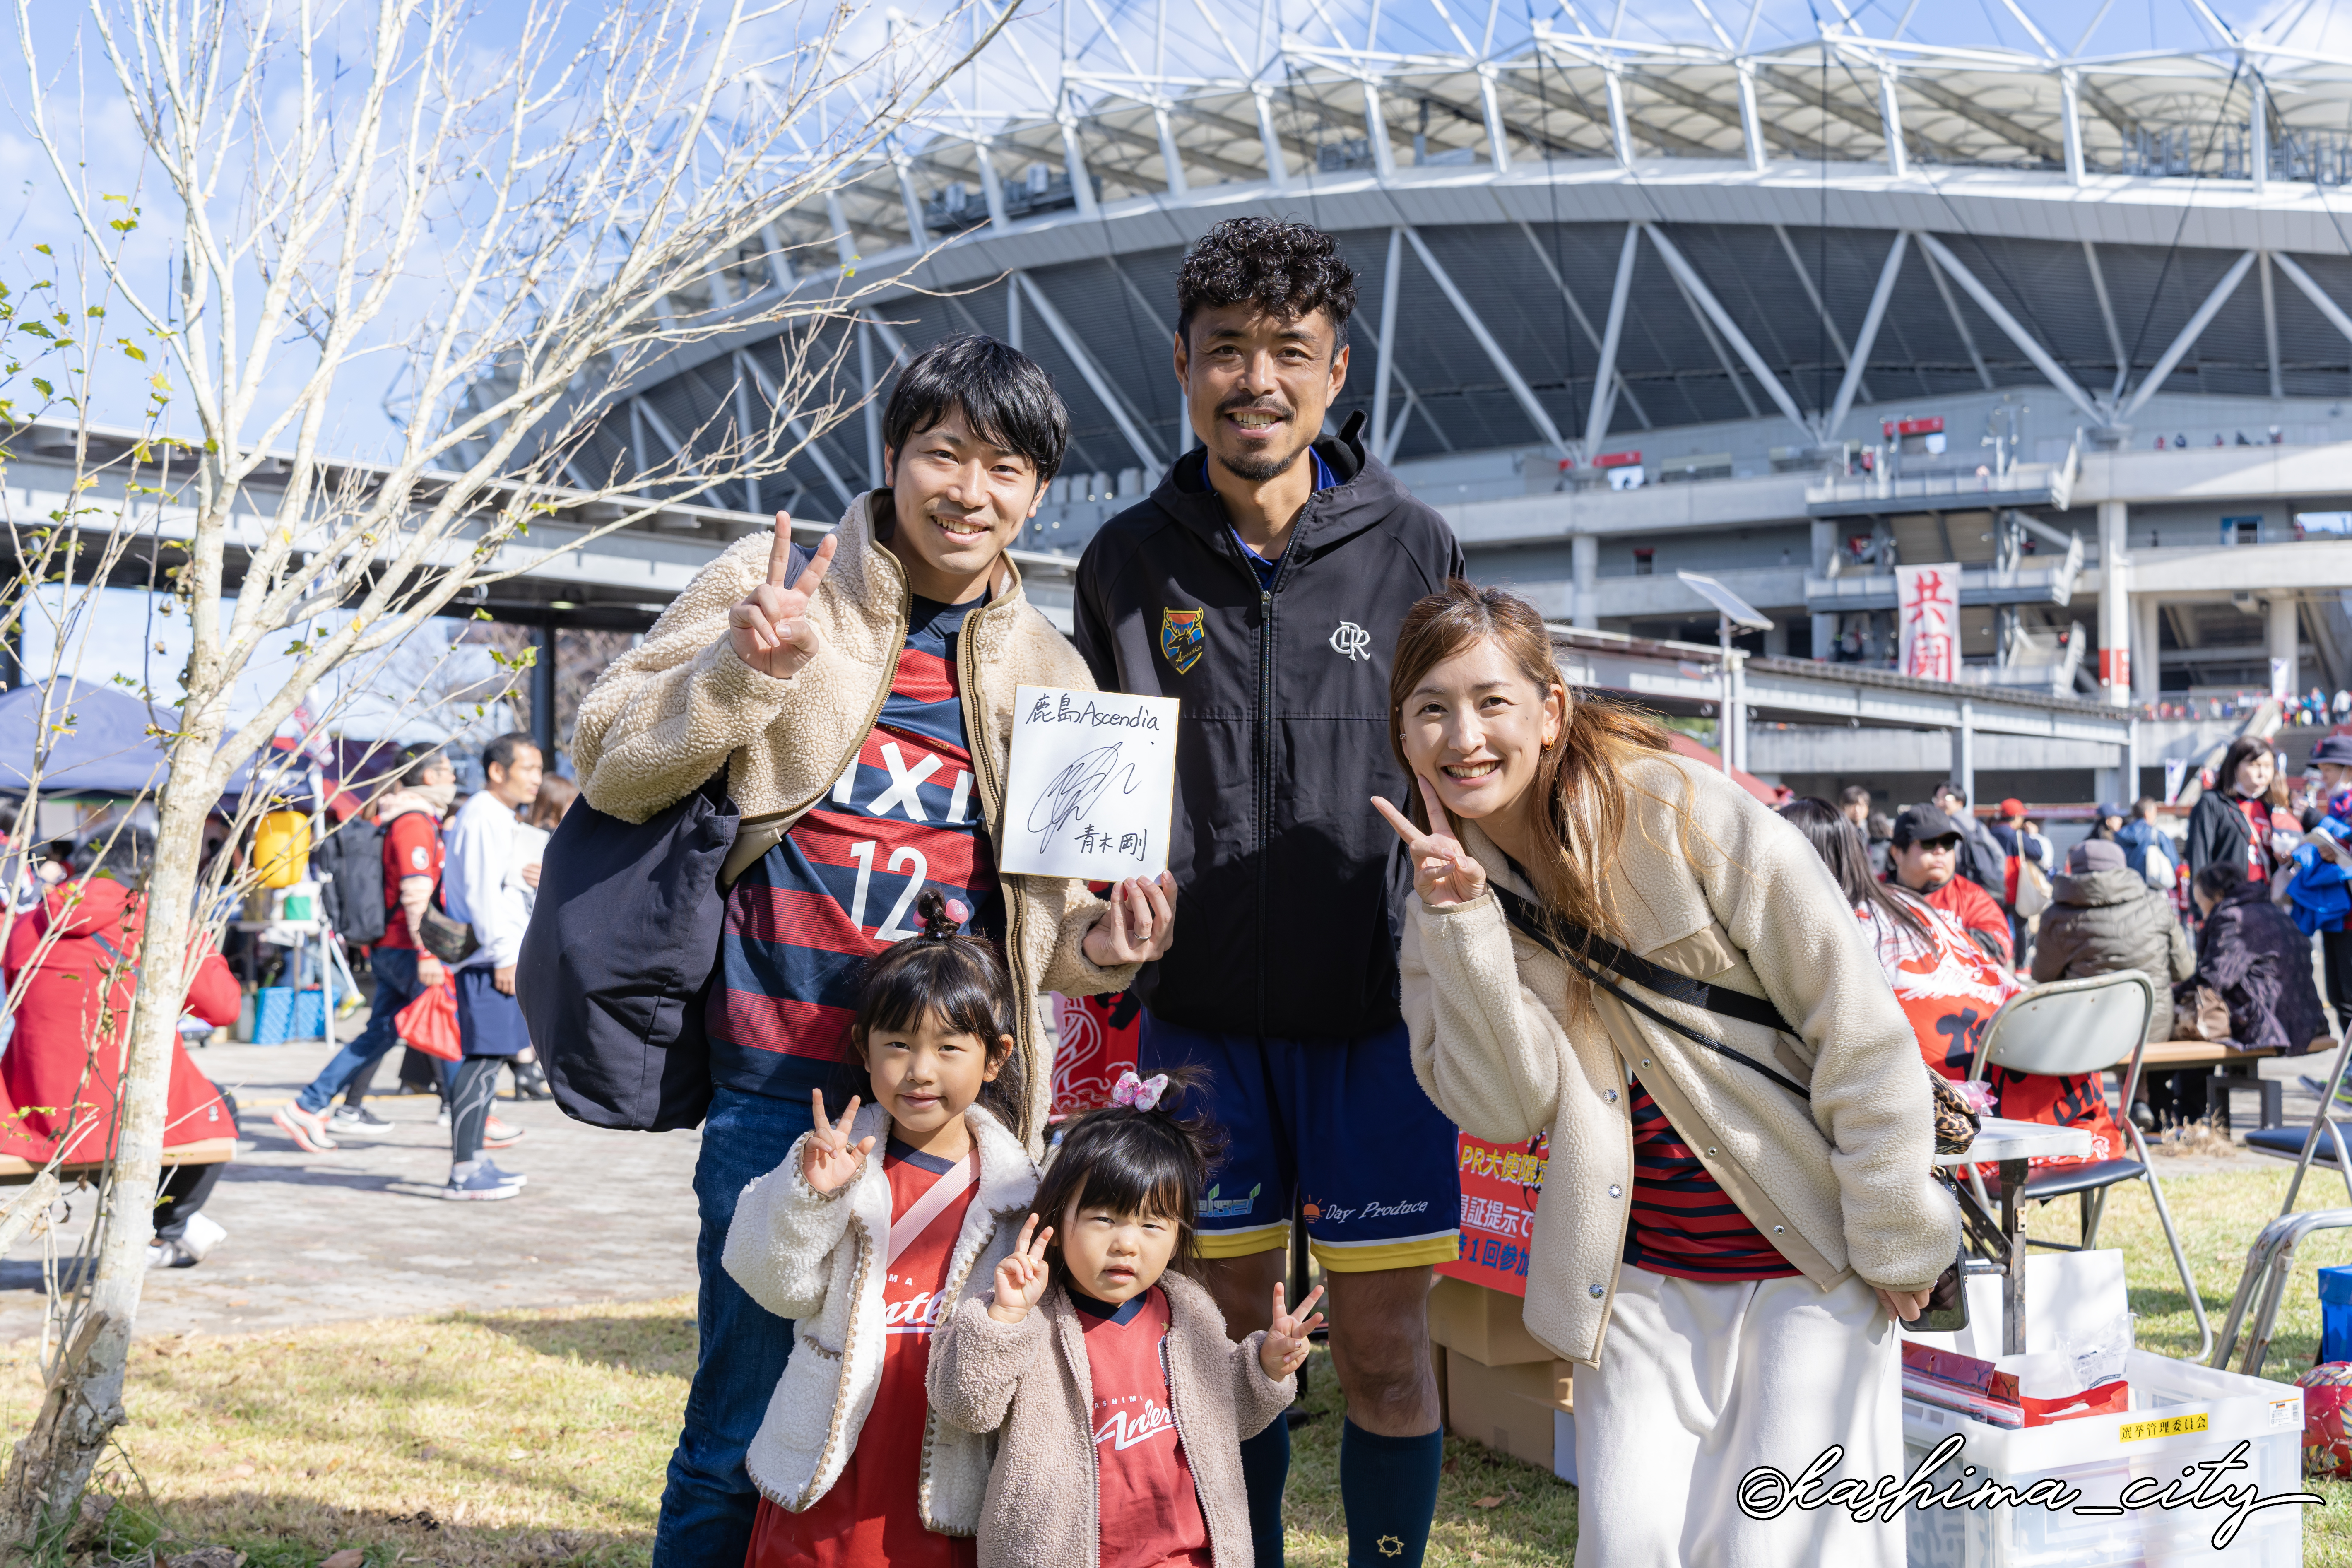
[536,1438]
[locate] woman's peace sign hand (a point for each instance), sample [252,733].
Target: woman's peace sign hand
[1443,871]
[826,1159]
[770,630]
[1022,1278]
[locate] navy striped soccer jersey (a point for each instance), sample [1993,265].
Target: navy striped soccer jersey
[1683,1222]
[841,886]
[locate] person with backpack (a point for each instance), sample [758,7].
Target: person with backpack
[858,700]
[1261,584]
[408,818]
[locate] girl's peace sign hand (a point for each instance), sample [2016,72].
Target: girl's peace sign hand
[1284,1349]
[826,1159]
[1022,1278]
[1443,871]
[770,629]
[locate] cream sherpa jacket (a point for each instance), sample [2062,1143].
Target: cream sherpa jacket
[816,1260]
[1029,1383]
[1739,899]
[670,712]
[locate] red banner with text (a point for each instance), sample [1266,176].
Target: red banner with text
[1500,1183]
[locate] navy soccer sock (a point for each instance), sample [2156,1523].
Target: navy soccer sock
[1266,1465]
[1388,1488]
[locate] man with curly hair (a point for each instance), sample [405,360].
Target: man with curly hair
[1261,583]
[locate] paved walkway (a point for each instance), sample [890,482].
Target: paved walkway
[361,1233]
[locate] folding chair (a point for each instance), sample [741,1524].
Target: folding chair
[2087,1026]
[2284,1142]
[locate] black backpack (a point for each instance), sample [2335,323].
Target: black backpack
[349,864]
[616,966]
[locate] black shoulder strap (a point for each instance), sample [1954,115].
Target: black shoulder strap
[1665,982]
[1525,918]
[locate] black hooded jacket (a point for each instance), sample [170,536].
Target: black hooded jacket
[1290,886]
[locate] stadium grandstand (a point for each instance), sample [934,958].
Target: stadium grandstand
[1781,296]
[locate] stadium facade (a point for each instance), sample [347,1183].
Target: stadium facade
[1787,316]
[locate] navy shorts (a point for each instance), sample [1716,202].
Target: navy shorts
[1339,1126]
[489,1021]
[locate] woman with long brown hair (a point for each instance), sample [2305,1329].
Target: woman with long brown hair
[1608,943]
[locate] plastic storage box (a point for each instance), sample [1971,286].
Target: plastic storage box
[2182,1415]
[281,1014]
[2336,1313]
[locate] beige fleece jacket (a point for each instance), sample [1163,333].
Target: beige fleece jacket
[1030,1384]
[816,1259]
[670,712]
[1840,1185]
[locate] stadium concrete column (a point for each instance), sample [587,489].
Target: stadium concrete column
[2145,649]
[2286,635]
[2115,604]
[1824,625]
[1584,559]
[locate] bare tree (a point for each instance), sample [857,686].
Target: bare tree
[532,220]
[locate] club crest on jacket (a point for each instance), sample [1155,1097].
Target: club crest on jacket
[1183,636]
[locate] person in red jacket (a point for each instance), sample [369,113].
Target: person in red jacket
[1925,859]
[73,1015]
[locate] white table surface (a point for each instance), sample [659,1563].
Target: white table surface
[1999,1138]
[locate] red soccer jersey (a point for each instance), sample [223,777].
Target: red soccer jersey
[1974,908]
[1151,1515]
[412,848]
[868,1517]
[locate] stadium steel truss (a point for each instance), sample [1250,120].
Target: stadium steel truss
[1745,253]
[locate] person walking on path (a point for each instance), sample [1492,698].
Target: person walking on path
[413,860]
[859,698]
[1737,1208]
[1261,584]
[481,849]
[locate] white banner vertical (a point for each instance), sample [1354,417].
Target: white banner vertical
[1927,618]
[2280,677]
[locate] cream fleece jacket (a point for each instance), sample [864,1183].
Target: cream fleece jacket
[816,1260]
[1739,899]
[1030,1384]
[670,712]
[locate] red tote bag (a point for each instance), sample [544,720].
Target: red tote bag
[430,1023]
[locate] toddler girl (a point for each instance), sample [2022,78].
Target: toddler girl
[865,1252]
[1120,1403]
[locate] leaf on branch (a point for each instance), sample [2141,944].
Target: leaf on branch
[43,249]
[44,388]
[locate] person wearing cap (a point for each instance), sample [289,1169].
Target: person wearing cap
[2109,822]
[2007,829]
[1925,862]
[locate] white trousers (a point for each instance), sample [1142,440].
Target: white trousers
[1700,1383]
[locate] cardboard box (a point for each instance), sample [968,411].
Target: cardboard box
[1482,1324]
[1508,1408]
[1563,1385]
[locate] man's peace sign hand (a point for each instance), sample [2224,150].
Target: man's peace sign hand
[1443,871]
[1022,1279]
[771,630]
[826,1159]
[1284,1349]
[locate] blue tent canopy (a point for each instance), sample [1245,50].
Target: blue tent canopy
[101,744]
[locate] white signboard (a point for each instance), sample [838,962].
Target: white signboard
[1927,611]
[2281,673]
[1092,786]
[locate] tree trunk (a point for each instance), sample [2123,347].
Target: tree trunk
[53,1462]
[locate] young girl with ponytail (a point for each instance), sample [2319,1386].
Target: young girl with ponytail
[877,1223]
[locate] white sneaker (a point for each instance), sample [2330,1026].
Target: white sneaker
[307,1130]
[202,1235]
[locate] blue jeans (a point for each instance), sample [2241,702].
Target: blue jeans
[708,1507]
[396,987]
